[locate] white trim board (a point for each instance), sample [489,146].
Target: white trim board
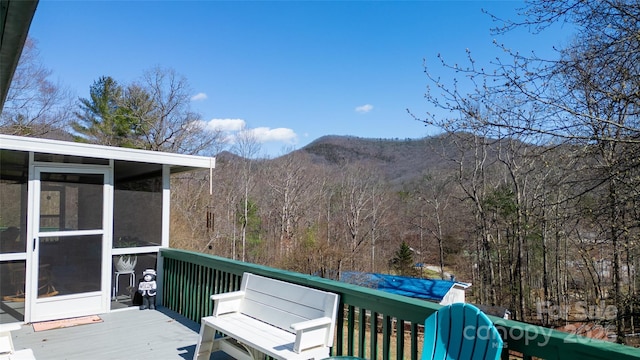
[47,146]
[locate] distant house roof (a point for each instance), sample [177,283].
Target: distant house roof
[427,289]
[498,311]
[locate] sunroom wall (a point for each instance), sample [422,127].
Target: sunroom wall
[139,190]
[137,208]
[14,167]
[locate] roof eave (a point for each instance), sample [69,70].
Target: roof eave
[178,162]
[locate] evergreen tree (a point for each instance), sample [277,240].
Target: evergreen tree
[102,119]
[402,263]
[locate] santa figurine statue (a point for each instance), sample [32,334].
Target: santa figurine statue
[147,288]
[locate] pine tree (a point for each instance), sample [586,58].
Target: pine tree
[402,263]
[103,120]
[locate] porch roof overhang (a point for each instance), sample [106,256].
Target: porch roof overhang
[15,20]
[177,162]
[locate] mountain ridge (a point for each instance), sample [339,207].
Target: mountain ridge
[400,160]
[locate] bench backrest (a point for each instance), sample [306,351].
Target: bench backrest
[282,304]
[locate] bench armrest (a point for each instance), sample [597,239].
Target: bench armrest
[311,333]
[227,302]
[9,327]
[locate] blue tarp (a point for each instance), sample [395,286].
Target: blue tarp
[428,289]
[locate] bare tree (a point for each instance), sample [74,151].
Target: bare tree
[358,196]
[160,103]
[586,98]
[152,114]
[290,183]
[189,205]
[35,105]
[434,195]
[247,147]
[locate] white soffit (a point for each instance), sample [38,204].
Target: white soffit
[48,146]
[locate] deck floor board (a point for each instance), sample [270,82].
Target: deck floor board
[126,334]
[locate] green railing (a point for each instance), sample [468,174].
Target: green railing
[188,279]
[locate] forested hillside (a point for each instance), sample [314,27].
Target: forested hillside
[502,214]
[400,161]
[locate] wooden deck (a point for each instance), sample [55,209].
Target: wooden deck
[125,334]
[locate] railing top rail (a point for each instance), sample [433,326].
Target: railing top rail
[530,339]
[413,310]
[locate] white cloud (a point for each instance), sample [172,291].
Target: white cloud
[199,97]
[364,108]
[265,134]
[227,124]
[231,128]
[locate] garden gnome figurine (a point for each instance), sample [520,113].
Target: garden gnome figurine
[147,288]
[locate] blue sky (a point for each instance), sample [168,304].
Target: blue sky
[290,71]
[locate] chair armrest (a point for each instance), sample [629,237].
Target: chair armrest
[310,324]
[312,333]
[227,302]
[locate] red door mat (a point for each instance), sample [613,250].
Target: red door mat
[64,323]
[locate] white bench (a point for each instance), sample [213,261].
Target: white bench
[7,352]
[270,317]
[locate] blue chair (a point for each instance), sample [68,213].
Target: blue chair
[460,331]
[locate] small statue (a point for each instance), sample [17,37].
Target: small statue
[147,289]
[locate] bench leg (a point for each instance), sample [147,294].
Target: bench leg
[208,343]
[205,342]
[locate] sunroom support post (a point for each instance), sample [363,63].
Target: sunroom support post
[166,219]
